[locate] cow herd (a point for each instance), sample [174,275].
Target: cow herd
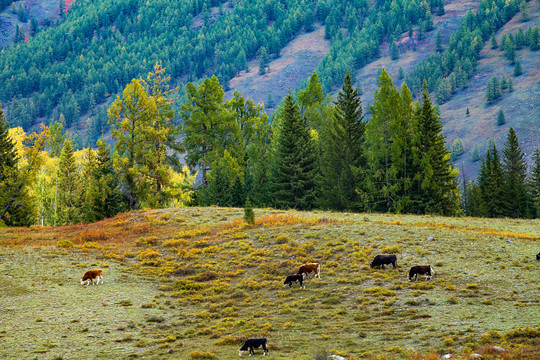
[303,272]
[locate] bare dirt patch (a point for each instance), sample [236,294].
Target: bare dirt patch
[297,62]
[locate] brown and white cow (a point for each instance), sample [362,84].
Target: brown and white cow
[310,268]
[90,275]
[426,270]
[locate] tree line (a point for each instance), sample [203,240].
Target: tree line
[314,153]
[504,187]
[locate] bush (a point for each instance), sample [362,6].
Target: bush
[202,355]
[64,244]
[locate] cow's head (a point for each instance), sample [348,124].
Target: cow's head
[240,352]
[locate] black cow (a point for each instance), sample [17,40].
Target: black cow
[381,260]
[538,256]
[421,270]
[294,278]
[253,344]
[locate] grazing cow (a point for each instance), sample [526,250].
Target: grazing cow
[253,344]
[90,275]
[294,278]
[381,260]
[538,256]
[421,270]
[310,268]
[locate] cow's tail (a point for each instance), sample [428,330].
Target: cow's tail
[319,270]
[431,269]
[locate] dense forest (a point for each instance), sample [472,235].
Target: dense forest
[397,162]
[62,72]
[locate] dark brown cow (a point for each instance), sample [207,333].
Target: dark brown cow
[426,270]
[382,259]
[90,275]
[251,344]
[294,278]
[310,268]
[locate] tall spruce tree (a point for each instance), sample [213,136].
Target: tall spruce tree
[515,176]
[491,183]
[69,187]
[435,181]
[343,154]
[16,206]
[295,160]
[10,179]
[534,183]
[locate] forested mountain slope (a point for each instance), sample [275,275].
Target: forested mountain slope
[70,67]
[98,47]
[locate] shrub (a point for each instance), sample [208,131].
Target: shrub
[202,355]
[93,235]
[230,340]
[64,244]
[282,239]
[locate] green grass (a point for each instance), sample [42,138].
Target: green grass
[199,287]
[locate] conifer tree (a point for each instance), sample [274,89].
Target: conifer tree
[435,182]
[515,174]
[438,42]
[517,69]
[110,200]
[249,215]
[378,137]
[295,160]
[491,183]
[494,43]
[500,118]
[263,61]
[9,174]
[343,152]
[534,183]
[129,115]
[209,128]
[69,187]
[475,153]
[16,207]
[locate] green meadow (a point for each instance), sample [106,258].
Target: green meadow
[194,283]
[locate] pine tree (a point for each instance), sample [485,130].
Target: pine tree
[534,183]
[515,174]
[467,112]
[475,205]
[110,201]
[510,85]
[457,149]
[249,215]
[394,51]
[69,190]
[500,118]
[435,182]
[343,153]
[295,161]
[475,156]
[494,44]
[16,205]
[509,49]
[491,183]
[129,115]
[263,61]
[9,174]
[524,9]
[380,180]
[209,127]
[438,42]
[517,69]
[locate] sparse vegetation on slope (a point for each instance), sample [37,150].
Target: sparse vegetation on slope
[217,281]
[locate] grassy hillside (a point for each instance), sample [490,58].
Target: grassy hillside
[192,283]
